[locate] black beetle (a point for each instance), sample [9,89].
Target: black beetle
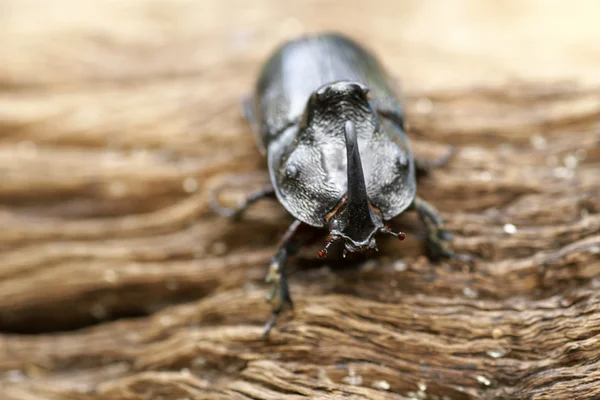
[325,114]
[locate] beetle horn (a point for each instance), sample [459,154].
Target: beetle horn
[360,221]
[356,222]
[357,189]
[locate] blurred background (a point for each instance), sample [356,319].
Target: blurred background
[118,117]
[426,42]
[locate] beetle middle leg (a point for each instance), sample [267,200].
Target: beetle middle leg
[279,296]
[437,236]
[423,167]
[234,213]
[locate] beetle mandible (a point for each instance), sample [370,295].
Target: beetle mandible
[325,114]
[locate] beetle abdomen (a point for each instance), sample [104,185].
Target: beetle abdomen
[299,67]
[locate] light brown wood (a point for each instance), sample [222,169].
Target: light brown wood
[118,282]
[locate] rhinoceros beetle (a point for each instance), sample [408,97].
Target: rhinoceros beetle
[325,114]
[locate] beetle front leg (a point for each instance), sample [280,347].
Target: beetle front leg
[279,297]
[437,236]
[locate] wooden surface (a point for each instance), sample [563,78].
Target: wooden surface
[118,282]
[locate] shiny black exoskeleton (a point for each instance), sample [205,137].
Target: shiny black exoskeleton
[325,114]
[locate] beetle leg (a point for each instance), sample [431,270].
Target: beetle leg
[437,236]
[267,191]
[279,296]
[424,166]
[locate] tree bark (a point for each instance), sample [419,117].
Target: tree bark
[118,282]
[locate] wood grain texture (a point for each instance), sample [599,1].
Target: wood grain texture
[117,119]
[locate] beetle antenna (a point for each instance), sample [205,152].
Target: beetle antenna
[398,235]
[330,240]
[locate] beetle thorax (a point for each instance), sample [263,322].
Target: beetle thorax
[318,170]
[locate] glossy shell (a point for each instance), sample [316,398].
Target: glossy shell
[306,91]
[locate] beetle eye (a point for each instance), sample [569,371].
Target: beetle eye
[291,171]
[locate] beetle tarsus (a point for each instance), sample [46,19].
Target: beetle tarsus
[270,323]
[437,236]
[235,213]
[279,296]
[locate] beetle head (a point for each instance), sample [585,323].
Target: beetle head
[355,220]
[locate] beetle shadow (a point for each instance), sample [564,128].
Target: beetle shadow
[398,267]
